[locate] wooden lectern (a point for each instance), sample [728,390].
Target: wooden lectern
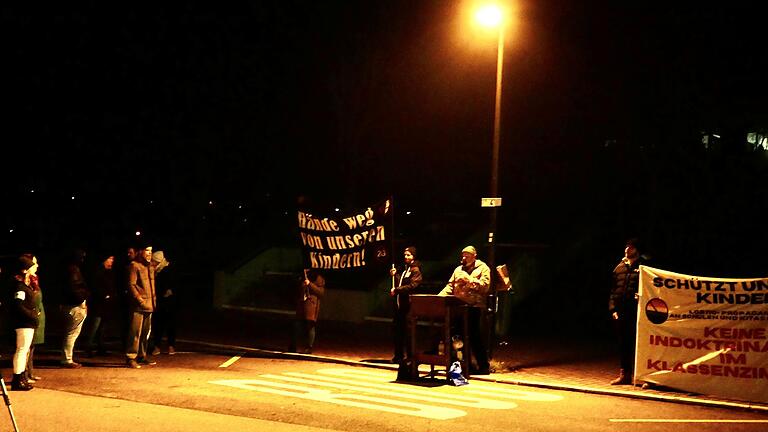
[438,310]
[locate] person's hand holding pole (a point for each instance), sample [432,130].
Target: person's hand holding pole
[392,273]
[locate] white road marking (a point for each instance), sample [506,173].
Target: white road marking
[348,399]
[473,388]
[685,421]
[377,390]
[402,391]
[229,362]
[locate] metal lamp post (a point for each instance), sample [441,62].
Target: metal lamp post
[491,16]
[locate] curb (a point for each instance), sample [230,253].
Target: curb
[701,401]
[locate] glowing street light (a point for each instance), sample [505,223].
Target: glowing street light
[489,15]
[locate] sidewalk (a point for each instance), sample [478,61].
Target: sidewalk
[540,361]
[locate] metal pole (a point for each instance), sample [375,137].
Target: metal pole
[492,300]
[8,404]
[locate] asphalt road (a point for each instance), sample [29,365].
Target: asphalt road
[206,392]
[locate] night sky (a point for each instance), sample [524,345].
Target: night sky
[201,124]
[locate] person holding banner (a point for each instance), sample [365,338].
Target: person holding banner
[310,290]
[622,306]
[403,283]
[470,283]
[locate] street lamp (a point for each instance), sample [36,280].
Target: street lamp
[492,16]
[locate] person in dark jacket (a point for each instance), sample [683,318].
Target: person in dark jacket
[622,305]
[404,283]
[24,319]
[311,289]
[164,318]
[100,306]
[73,307]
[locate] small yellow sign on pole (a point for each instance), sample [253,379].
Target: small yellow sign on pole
[490,202]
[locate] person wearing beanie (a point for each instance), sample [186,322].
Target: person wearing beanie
[470,282]
[24,319]
[101,303]
[622,305]
[404,282]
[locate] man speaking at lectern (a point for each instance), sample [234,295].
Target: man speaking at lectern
[470,283]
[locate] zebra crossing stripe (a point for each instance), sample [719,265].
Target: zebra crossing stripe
[395,390]
[477,388]
[376,390]
[346,399]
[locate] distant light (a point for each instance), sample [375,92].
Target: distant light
[336,209]
[716,135]
[138,233]
[240,207]
[210,202]
[32,191]
[408,212]
[151,201]
[245,220]
[10,230]
[489,15]
[73,197]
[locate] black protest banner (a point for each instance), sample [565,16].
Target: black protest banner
[352,241]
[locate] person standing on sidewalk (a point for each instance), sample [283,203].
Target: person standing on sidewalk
[24,320]
[470,283]
[622,305]
[141,292]
[164,318]
[100,306]
[405,282]
[124,305]
[39,336]
[73,307]
[311,289]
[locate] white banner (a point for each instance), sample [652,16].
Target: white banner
[704,335]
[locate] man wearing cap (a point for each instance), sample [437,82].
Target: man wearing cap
[470,282]
[404,283]
[143,301]
[622,305]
